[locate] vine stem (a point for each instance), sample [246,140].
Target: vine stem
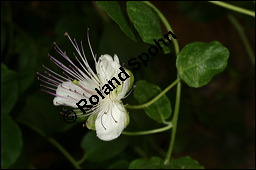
[178,91]
[154,99]
[166,24]
[55,143]
[64,152]
[234,8]
[169,126]
[174,122]
[82,159]
[243,37]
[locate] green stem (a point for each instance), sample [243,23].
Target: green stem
[55,143]
[234,8]
[243,37]
[174,122]
[64,152]
[177,102]
[153,144]
[140,152]
[169,126]
[154,99]
[166,24]
[82,159]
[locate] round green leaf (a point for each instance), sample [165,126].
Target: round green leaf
[158,111]
[98,150]
[11,141]
[120,164]
[183,163]
[153,163]
[199,62]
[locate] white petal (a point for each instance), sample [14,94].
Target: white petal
[111,121]
[67,97]
[107,68]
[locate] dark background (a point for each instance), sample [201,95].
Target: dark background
[216,122]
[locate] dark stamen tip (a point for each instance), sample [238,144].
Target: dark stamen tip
[66,34]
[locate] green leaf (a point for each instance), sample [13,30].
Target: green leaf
[114,11]
[9,89]
[146,22]
[183,163]
[25,79]
[120,164]
[158,111]
[11,141]
[153,163]
[41,115]
[199,62]
[30,54]
[157,163]
[23,161]
[98,150]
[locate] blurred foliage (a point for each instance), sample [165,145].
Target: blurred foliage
[216,122]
